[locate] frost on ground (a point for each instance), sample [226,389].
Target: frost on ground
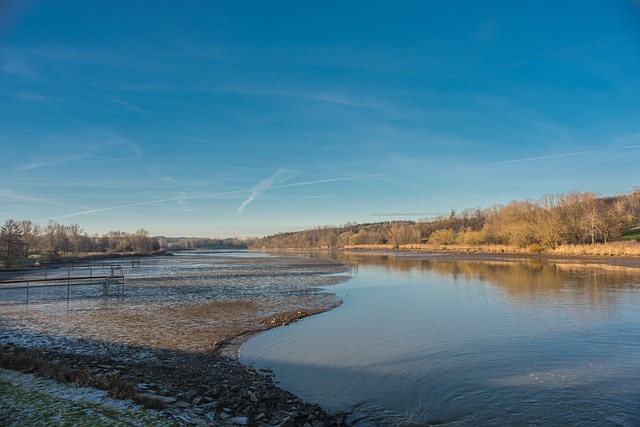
[170,333]
[28,400]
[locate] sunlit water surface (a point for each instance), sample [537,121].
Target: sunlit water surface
[467,343]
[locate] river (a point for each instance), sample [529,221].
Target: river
[426,342]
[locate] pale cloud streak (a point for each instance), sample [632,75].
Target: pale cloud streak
[276,182]
[557,156]
[151,202]
[266,184]
[76,148]
[11,195]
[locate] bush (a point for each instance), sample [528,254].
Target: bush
[535,249]
[443,237]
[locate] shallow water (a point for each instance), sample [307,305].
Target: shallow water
[467,343]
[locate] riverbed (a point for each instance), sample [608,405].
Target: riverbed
[165,339]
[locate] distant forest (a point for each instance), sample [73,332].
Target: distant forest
[20,239]
[549,222]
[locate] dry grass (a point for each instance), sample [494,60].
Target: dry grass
[33,362]
[370,247]
[599,249]
[429,247]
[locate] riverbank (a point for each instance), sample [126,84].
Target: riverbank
[191,389]
[179,357]
[176,353]
[462,254]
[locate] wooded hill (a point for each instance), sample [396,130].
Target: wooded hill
[551,221]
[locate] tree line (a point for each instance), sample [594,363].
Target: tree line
[551,221]
[191,243]
[20,239]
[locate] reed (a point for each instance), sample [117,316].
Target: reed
[599,249]
[629,248]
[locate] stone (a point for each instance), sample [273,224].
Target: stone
[243,421]
[163,399]
[182,404]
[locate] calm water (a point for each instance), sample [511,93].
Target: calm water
[467,343]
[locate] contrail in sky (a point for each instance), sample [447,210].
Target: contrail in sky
[174,199]
[272,183]
[263,186]
[556,156]
[275,181]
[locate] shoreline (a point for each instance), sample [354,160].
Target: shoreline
[186,384]
[179,356]
[189,388]
[626,261]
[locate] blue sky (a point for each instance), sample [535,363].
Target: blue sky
[238,118]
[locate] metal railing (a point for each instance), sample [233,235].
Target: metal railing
[108,283]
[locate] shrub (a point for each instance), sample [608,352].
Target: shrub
[535,249]
[443,237]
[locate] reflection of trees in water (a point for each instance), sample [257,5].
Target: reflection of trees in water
[526,280]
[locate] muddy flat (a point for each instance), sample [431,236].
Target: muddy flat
[172,333]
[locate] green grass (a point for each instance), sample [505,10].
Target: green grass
[22,405]
[631,235]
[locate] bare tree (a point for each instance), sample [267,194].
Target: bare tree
[11,243]
[30,234]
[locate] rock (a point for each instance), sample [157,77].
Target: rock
[190,394]
[243,421]
[182,404]
[156,397]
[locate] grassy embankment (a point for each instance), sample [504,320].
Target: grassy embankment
[624,248]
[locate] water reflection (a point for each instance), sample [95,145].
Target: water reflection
[527,280]
[429,341]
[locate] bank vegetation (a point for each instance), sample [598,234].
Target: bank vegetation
[576,223]
[20,241]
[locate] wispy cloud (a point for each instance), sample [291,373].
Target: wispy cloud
[29,96]
[152,202]
[343,99]
[73,148]
[277,178]
[131,107]
[557,156]
[17,197]
[322,181]
[19,69]
[277,181]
